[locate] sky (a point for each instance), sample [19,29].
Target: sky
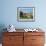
[26,10]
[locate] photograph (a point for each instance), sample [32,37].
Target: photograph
[26,14]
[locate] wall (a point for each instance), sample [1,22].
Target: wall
[9,13]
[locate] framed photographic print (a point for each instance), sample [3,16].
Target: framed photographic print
[26,14]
